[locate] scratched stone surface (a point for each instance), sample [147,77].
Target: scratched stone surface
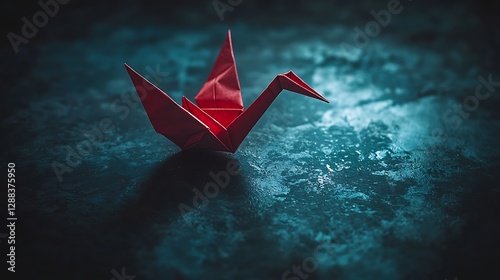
[362,179]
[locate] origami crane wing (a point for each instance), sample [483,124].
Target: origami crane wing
[220,96]
[171,120]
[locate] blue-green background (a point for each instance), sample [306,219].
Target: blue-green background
[362,174]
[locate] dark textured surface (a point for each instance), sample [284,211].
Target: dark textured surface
[362,174]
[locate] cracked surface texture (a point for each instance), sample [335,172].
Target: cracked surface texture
[363,174]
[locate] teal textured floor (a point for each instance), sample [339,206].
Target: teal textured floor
[361,188]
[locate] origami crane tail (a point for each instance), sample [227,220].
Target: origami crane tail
[170,119]
[241,126]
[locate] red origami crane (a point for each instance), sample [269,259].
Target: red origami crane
[218,120]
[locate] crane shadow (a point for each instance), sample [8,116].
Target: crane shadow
[177,180]
[135,224]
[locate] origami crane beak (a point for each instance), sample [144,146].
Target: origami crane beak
[292,82]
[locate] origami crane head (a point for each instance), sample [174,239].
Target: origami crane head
[218,120]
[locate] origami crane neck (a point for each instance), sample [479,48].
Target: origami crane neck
[234,134]
[242,125]
[220,96]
